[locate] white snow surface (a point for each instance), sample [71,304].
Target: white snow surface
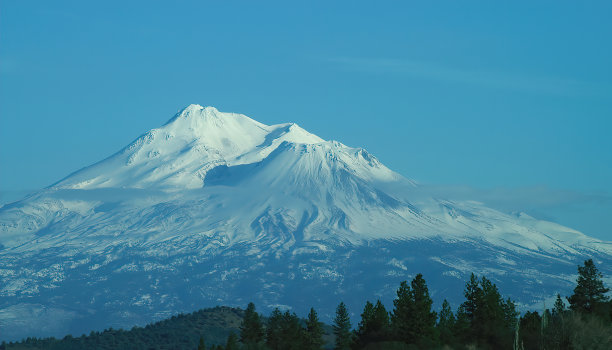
[225,172]
[179,154]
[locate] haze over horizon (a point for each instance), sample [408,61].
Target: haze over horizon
[507,105]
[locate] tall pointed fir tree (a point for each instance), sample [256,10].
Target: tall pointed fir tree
[559,307]
[294,336]
[284,332]
[232,342]
[362,327]
[466,327]
[201,345]
[379,326]
[473,298]
[446,324]
[423,320]
[314,331]
[529,334]
[590,293]
[412,320]
[342,328]
[484,317]
[361,334]
[496,317]
[374,325]
[251,329]
[274,329]
[400,318]
[510,313]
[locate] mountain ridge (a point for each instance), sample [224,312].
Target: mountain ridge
[195,133]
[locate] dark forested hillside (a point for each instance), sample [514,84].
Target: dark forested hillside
[178,332]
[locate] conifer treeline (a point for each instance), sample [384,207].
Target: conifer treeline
[485,320]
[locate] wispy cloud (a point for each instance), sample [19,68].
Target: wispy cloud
[584,211]
[9,196]
[445,73]
[519,199]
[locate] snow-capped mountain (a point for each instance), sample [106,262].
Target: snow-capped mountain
[217,208]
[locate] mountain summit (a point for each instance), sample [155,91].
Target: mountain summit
[179,154]
[217,208]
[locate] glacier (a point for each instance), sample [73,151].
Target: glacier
[216,208]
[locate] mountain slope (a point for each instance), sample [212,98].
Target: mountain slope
[216,208]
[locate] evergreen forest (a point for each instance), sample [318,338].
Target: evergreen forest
[484,320]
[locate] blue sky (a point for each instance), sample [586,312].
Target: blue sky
[512,100]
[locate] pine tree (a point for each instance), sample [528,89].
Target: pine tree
[379,326]
[559,307]
[446,324]
[400,318]
[412,320]
[293,335]
[274,329]
[496,317]
[556,335]
[530,330]
[342,328]
[473,297]
[423,320]
[466,327]
[251,329]
[510,314]
[314,331]
[201,345]
[484,317]
[590,291]
[363,328]
[284,331]
[374,325]
[232,342]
